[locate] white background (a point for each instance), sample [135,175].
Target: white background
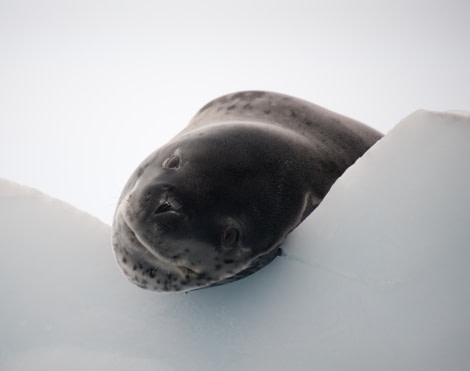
[89,88]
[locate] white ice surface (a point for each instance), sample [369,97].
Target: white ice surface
[377,278]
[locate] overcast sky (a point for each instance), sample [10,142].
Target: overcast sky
[90,88]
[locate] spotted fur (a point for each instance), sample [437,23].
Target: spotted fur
[215,203]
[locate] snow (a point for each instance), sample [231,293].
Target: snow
[375,279]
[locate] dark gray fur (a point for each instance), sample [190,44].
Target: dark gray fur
[215,203]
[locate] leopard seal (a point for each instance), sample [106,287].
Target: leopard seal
[214,204]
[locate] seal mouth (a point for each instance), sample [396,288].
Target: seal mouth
[185,271]
[160,255]
[133,236]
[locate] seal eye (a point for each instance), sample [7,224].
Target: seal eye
[230,236]
[172,162]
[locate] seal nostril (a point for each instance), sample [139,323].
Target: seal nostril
[164,206]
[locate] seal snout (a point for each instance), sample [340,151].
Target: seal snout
[156,198]
[152,208]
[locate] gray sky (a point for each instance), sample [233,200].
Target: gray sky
[89,88]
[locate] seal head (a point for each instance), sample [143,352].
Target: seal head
[214,204]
